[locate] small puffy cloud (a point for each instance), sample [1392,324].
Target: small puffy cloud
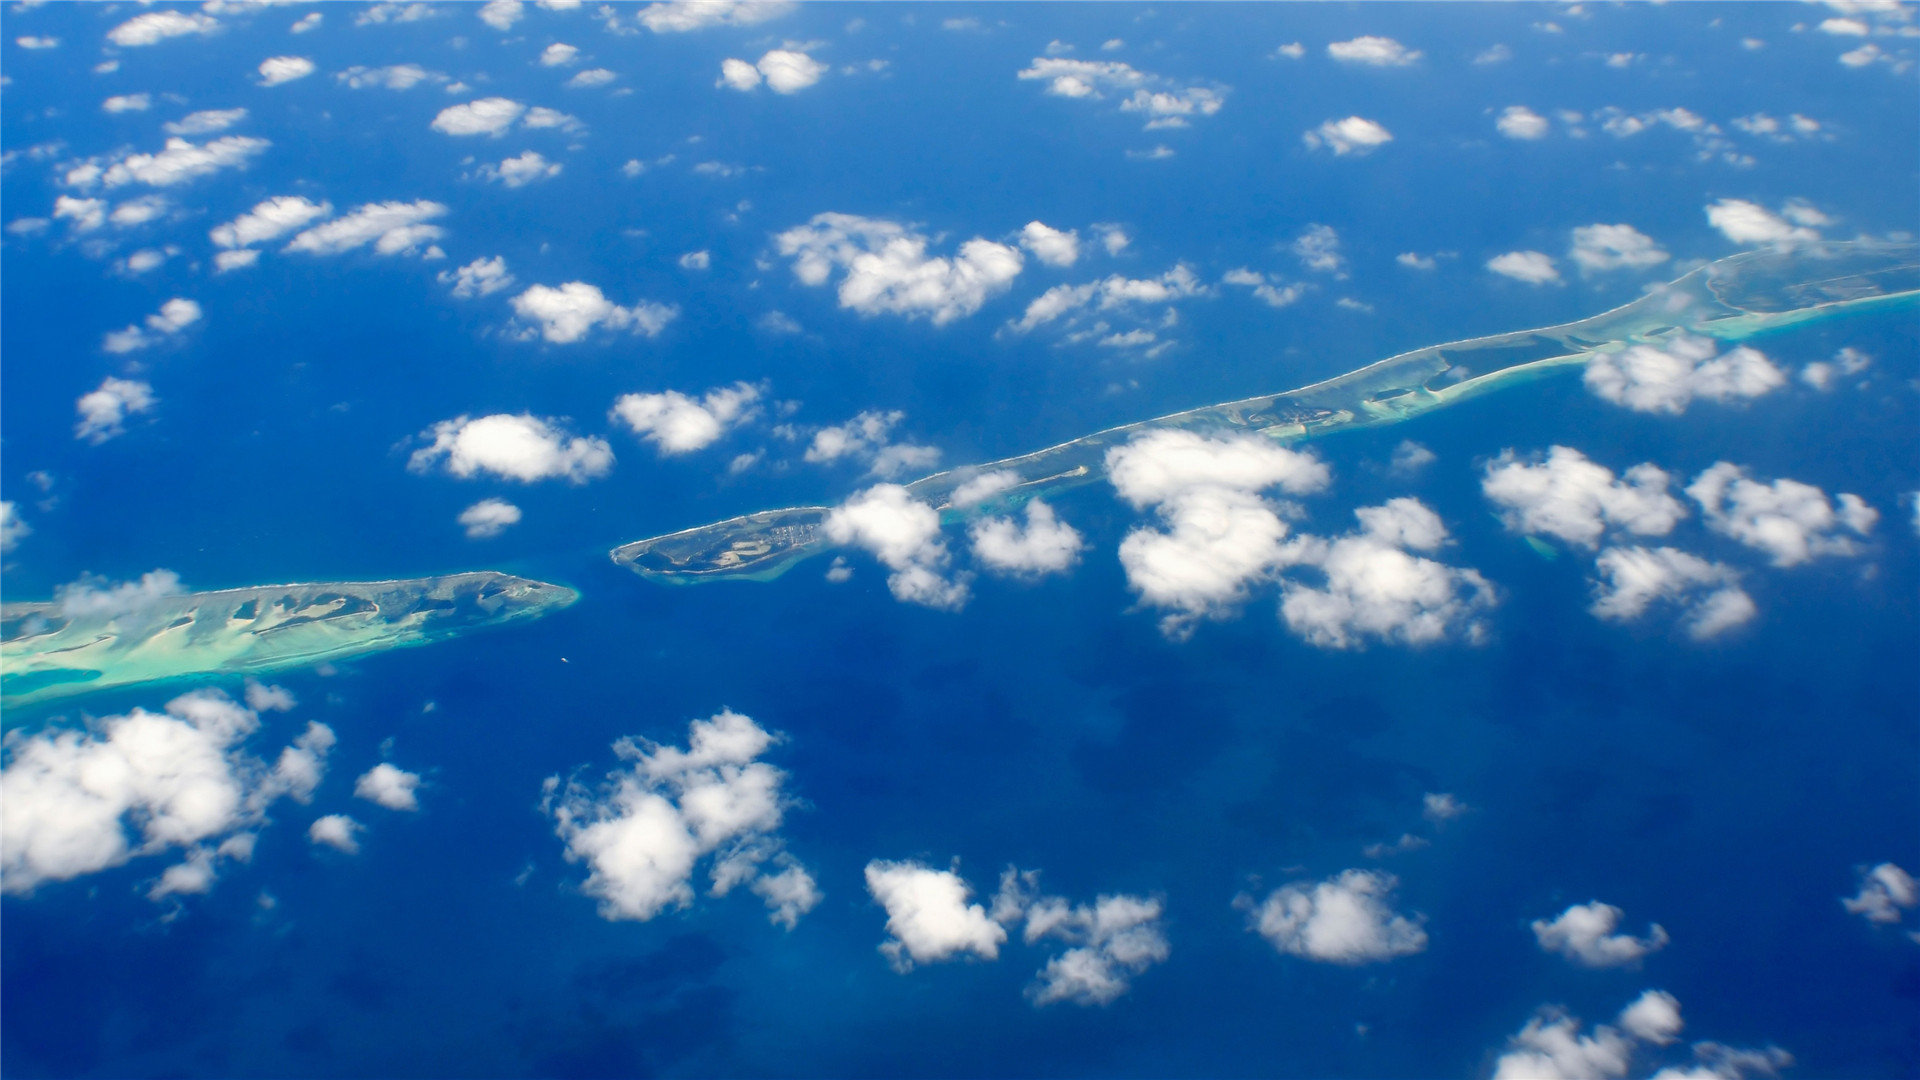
[928,915]
[1520,122]
[1049,245]
[179,162]
[234,260]
[1532,267]
[265,697]
[1614,247]
[122,103]
[904,534]
[1587,934]
[502,14]
[37,41]
[1270,289]
[13,528]
[644,828]
[1553,1046]
[486,116]
[1822,374]
[488,518]
[1441,806]
[481,277]
[1045,545]
[1318,248]
[1841,27]
[1112,293]
[521,170]
[1885,892]
[788,71]
[696,260]
[103,411]
[136,785]
[1377,588]
[96,599]
[1409,458]
[138,211]
[1708,594]
[558,54]
[309,21]
[591,77]
[866,438]
[85,214]
[1667,378]
[1373,51]
[275,70]
[337,831]
[679,424]
[887,269]
[1346,919]
[174,316]
[205,122]
[1166,102]
[680,16]
[1571,498]
[1114,939]
[738,74]
[393,228]
[394,77]
[157,26]
[1353,135]
[1790,521]
[269,220]
[390,11]
[517,447]
[1160,466]
[391,787]
[568,312]
[1745,222]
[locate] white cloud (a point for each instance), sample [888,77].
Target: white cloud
[390,786]
[94,598]
[1160,466]
[1822,374]
[1614,247]
[1166,102]
[1586,934]
[1790,521]
[234,260]
[103,411]
[265,697]
[1049,245]
[157,26]
[488,518]
[337,831]
[1354,135]
[866,438]
[904,534]
[521,170]
[1270,289]
[139,784]
[788,71]
[174,316]
[1745,222]
[1666,378]
[206,121]
[179,162]
[558,54]
[1708,594]
[1293,50]
[1373,52]
[1576,500]
[1520,122]
[138,211]
[501,14]
[481,277]
[394,77]
[1409,458]
[738,74]
[1552,1046]
[390,11]
[1346,919]
[1885,891]
[1111,293]
[35,41]
[1862,56]
[1114,939]
[284,69]
[1377,588]
[121,103]
[591,77]
[696,260]
[393,228]
[887,268]
[1532,267]
[269,220]
[13,528]
[309,21]
[1844,27]
[523,447]
[1045,545]
[85,214]
[1318,248]
[679,16]
[567,313]
[485,116]
[928,915]
[645,827]
[679,424]
[1441,806]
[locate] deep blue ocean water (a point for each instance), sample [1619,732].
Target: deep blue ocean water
[1725,790]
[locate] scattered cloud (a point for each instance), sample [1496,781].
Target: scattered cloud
[1114,939]
[642,830]
[1443,806]
[485,116]
[1520,122]
[1708,594]
[1746,222]
[867,438]
[904,534]
[13,528]
[516,447]
[390,786]
[1045,545]
[309,21]
[174,316]
[122,103]
[154,27]
[785,71]
[337,831]
[1050,245]
[1318,248]
[481,277]
[521,170]
[1377,588]
[1571,498]
[36,41]
[1355,135]
[928,915]
[390,11]
[1346,919]
[1667,378]
[567,313]
[179,162]
[1790,521]
[1270,289]
[1598,248]
[1373,51]
[1532,267]
[393,228]
[1410,458]
[558,54]
[679,16]
[590,78]
[284,69]
[501,14]
[1552,1047]
[393,77]
[886,268]
[1109,294]
[1587,935]
[97,599]
[205,122]
[1166,102]
[489,518]
[268,220]
[1885,892]
[678,424]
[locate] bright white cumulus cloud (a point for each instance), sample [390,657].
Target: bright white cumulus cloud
[1520,122]
[104,410]
[489,518]
[393,228]
[1630,581]
[1165,102]
[1589,934]
[677,423]
[481,277]
[178,162]
[1745,222]
[1376,588]
[13,528]
[1353,135]
[1532,267]
[1113,940]
[1569,497]
[1373,51]
[269,220]
[929,916]
[515,447]
[1791,522]
[643,830]
[521,170]
[1346,919]
[1554,1046]
[144,784]
[1052,246]
[485,116]
[337,831]
[1668,377]
[1110,294]
[1043,545]
[1598,248]
[154,27]
[886,269]
[389,786]
[680,16]
[569,312]
[868,438]
[173,317]
[904,534]
[785,71]
[275,70]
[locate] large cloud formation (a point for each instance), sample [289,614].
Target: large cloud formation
[519,447]
[886,269]
[1346,919]
[143,783]
[644,828]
